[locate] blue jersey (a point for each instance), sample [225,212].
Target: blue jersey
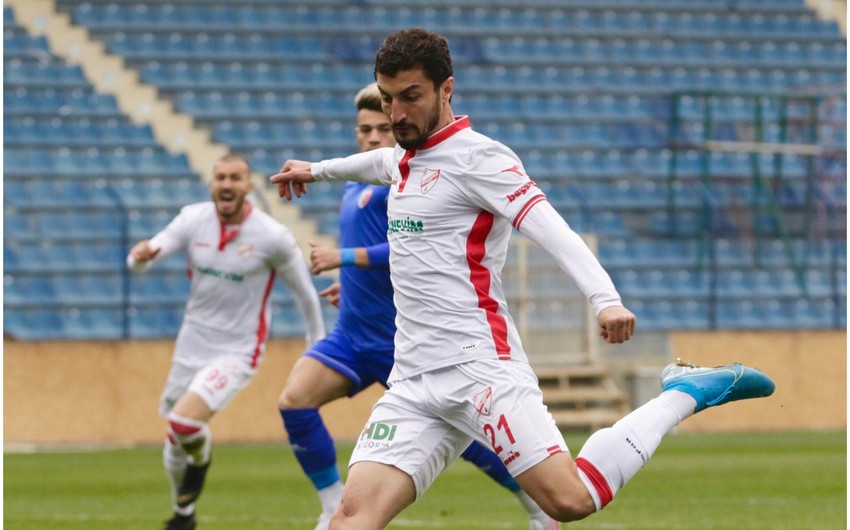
[366,310]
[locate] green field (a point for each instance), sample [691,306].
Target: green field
[717,482]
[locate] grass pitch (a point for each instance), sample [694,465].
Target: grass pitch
[707,482]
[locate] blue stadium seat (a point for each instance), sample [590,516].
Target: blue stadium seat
[155,321]
[101,288]
[577,91]
[98,323]
[33,323]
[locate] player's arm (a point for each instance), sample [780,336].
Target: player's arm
[543,225]
[293,270]
[146,252]
[324,257]
[500,185]
[140,256]
[370,167]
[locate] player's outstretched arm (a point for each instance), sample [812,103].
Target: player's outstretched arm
[292,179]
[140,256]
[549,230]
[143,251]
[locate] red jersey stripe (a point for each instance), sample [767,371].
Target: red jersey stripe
[226,237]
[262,329]
[404,168]
[479,275]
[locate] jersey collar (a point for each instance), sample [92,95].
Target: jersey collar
[460,123]
[225,235]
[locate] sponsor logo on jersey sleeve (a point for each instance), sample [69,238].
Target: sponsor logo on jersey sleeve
[522,190]
[514,169]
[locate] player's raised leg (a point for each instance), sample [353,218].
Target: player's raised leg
[311,384]
[612,456]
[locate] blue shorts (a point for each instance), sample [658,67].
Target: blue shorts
[363,367]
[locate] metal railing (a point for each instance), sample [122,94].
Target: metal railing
[793,133]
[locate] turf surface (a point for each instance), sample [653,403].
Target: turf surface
[708,482]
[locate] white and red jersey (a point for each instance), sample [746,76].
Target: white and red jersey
[453,202]
[232,270]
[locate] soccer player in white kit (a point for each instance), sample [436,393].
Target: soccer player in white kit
[234,253]
[460,371]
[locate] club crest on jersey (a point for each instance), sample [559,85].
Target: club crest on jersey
[483,400]
[429,179]
[364,197]
[245,250]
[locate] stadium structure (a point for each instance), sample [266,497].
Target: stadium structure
[699,146]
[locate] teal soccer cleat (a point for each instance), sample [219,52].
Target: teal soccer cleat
[715,386]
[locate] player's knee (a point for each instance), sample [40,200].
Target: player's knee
[345,516]
[566,508]
[186,431]
[289,400]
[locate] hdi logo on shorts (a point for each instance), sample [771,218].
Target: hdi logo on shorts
[378,431]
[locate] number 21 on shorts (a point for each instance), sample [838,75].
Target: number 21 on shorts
[501,426]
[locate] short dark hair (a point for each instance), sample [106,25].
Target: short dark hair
[415,48]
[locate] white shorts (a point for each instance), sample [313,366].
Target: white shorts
[217,381]
[422,424]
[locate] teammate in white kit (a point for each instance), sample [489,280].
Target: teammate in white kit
[460,371]
[234,253]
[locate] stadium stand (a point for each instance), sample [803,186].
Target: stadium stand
[81,183]
[632,116]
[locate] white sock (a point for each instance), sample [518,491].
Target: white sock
[174,460]
[330,497]
[612,456]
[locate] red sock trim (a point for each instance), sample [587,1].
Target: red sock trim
[598,481]
[183,429]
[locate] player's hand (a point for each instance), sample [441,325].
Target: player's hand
[323,257]
[616,324]
[293,178]
[142,251]
[331,293]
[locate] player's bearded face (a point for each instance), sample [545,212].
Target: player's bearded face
[230,185]
[410,134]
[413,105]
